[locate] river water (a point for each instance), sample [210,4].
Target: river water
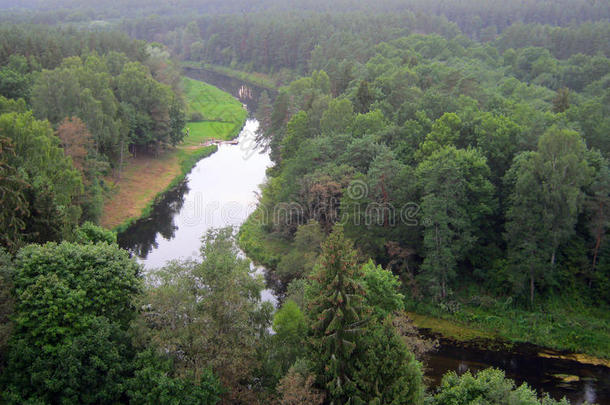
[221,190]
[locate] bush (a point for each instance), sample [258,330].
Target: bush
[489,387]
[196,117]
[90,233]
[73,308]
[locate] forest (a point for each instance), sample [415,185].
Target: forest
[444,161]
[73,106]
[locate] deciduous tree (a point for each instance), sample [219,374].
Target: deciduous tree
[544,205]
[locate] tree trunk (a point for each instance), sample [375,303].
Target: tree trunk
[531,287]
[121,158]
[438,254]
[598,242]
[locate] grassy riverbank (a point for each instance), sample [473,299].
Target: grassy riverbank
[145,178]
[263,248]
[576,328]
[259,79]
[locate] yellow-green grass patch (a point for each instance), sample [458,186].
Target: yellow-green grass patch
[447,328]
[212,103]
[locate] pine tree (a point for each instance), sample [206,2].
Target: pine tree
[337,315]
[359,359]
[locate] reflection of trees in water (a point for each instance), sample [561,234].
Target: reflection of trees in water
[521,363]
[140,237]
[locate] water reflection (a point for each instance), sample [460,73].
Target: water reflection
[589,394]
[141,237]
[220,191]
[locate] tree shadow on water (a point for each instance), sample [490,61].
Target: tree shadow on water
[141,236]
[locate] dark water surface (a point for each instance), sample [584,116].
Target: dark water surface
[523,364]
[221,190]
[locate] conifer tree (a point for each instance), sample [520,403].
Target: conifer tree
[337,315]
[358,358]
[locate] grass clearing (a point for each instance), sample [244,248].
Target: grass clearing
[145,178]
[212,103]
[259,79]
[449,329]
[203,131]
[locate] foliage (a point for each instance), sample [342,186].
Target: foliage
[41,185]
[7,304]
[78,144]
[386,370]
[153,382]
[186,314]
[74,305]
[121,107]
[488,386]
[447,176]
[457,198]
[297,387]
[381,288]
[12,189]
[359,359]
[290,330]
[547,198]
[462,145]
[301,261]
[91,233]
[337,316]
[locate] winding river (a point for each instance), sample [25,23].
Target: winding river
[221,190]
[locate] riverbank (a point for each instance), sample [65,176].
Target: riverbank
[463,335]
[256,78]
[579,331]
[145,178]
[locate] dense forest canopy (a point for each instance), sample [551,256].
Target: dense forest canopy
[93,96]
[443,158]
[398,115]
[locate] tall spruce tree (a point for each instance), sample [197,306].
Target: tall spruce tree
[359,358]
[337,315]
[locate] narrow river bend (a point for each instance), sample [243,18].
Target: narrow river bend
[221,190]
